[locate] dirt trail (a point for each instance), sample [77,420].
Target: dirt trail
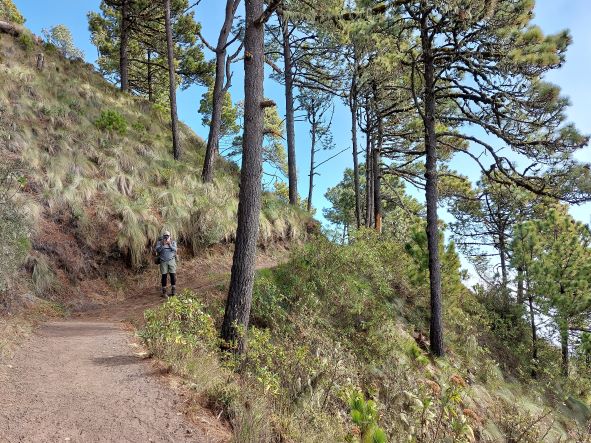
[80,381]
[84,380]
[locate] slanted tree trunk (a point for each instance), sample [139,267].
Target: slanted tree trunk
[123,46]
[289,115]
[354,108]
[431,194]
[312,164]
[237,313]
[220,87]
[176,150]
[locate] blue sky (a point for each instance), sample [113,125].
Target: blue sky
[551,15]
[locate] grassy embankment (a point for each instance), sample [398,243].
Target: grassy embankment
[340,329]
[96,179]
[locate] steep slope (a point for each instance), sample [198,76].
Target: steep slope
[338,328]
[94,179]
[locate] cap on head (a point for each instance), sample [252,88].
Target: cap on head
[166,233]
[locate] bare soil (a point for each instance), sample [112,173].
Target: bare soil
[86,379]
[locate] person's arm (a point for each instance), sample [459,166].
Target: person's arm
[173,246]
[158,246]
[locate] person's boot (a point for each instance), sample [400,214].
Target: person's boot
[163,292]
[173,291]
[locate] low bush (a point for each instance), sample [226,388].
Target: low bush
[14,225]
[10,13]
[27,41]
[112,121]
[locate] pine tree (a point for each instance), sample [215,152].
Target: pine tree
[484,222]
[309,63]
[237,312]
[556,251]
[222,83]
[146,47]
[317,106]
[481,63]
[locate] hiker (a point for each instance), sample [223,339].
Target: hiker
[166,250]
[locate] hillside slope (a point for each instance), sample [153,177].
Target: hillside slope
[338,347]
[94,179]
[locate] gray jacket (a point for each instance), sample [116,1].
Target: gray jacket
[166,252]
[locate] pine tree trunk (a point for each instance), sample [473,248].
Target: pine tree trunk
[219,91]
[237,313]
[312,166]
[150,78]
[377,177]
[564,347]
[369,179]
[520,297]
[504,273]
[289,116]
[354,108]
[123,46]
[431,195]
[534,335]
[176,150]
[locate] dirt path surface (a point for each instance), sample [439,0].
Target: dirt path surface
[80,381]
[84,379]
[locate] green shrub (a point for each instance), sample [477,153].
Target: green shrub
[268,302]
[181,322]
[10,13]
[416,354]
[26,41]
[14,225]
[364,414]
[139,127]
[50,48]
[111,121]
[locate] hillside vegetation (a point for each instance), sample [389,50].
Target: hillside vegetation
[366,338]
[338,353]
[90,170]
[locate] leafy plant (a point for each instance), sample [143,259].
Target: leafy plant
[181,321]
[364,415]
[26,41]
[10,13]
[113,121]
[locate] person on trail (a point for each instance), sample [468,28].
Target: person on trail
[166,250]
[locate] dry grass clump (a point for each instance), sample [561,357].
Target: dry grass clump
[100,160]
